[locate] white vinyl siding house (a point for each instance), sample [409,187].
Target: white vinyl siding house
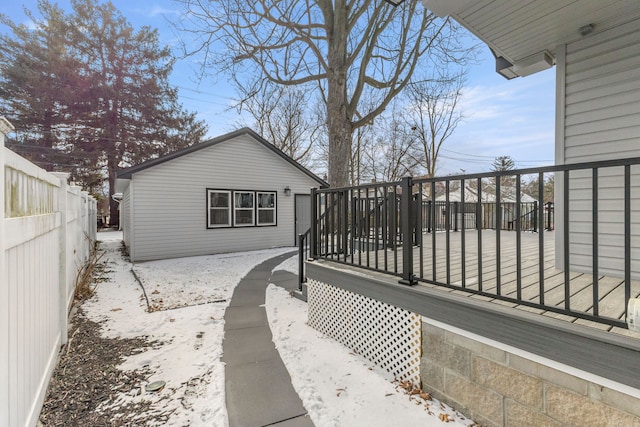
[125,216]
[224,195]
[595,45]
[598,109]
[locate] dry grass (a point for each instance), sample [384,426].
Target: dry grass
[87,275]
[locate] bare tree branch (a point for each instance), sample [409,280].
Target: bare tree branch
[434,113]
[360,53]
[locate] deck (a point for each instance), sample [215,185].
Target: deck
[537,275]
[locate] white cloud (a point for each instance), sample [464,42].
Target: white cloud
[514,118]
[159,10]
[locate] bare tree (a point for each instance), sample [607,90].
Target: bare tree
[433,114]
[353,50]
[281,116]
[394,154]
[361,169]
[531,187]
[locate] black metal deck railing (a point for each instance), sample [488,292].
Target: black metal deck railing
[495,243]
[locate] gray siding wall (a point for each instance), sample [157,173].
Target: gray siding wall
[170,201]
[601,115]
[125,213]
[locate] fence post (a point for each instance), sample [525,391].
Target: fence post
[5,128]
[406,208]
[61,207]
[313,234]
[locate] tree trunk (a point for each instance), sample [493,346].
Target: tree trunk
[114,213]
[340,132]
[338,119]
[113,160]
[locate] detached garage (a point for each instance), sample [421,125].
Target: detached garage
[232,193]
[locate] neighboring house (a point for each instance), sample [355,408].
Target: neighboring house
[508,198]
[488,194]
[236,192]
[595,46]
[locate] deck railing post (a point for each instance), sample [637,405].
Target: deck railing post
[416,219]
[313,235]
[456,214]
[392,220]
[301,275]
[345,223]
[406,215]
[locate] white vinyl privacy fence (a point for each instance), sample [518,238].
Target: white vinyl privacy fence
[47,230]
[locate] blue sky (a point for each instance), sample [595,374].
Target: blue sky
[503,117]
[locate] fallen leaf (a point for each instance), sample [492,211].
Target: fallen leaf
[415,391]
[425,396]
[339,391]
[155,292]
[116,309]
[445,418]
[172,320]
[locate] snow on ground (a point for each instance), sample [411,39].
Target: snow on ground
[337,387]
[179,282]
[289,264]
[187,356]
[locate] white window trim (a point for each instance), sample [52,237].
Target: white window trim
[252,209]
[274,208]
[232,210]
[228,208]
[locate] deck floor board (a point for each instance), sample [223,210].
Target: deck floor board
[611,290]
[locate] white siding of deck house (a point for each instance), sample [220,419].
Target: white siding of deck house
[598,112]
[167,207]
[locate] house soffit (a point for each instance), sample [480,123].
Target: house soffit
[522,31]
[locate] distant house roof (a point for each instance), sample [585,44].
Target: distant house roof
[128,172]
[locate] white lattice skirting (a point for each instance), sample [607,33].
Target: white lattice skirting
[383,334]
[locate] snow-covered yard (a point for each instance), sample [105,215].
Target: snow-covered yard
[188,297]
